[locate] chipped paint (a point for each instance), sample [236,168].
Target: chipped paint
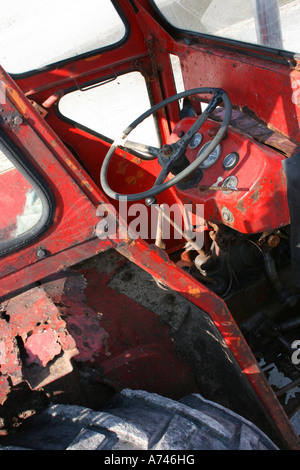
[194,291]
[255,196]
[131,179]
[296,94]
[42,347]
[85,183]
[70,163]
[35,320]
[122,167]
[83,322]
[17,100]
[150,260]
[134,178]
[94,57]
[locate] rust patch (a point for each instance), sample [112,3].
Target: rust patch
[137,160]
[134,178]
[240,206]
[33,336]
[255,196]
[131,179]
[69,293]
[83,181]
[122,167]
[86,184]
[70,163]
[16,100]
[95,57]
[194,291]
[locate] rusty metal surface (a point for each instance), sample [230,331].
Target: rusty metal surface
[120,342]
[260,132]
[35,345]
[178,280]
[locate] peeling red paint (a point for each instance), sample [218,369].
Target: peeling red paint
[35,320]
[42,347]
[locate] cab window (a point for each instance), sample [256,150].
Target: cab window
[36,34]
[270,23]
[24,205]
[109,108]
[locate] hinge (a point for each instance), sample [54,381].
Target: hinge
[149,76]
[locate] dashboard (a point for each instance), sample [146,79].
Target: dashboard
[243,184]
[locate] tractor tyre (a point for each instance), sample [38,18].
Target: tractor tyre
[138,420]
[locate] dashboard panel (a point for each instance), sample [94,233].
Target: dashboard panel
[243,184]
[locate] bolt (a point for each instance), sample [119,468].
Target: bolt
[227,215]
[273,241]
[41,253]
[167,150]
[18,120]
[150,200]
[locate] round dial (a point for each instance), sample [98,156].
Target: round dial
[230,184]
[212,158]
[196,140]
[230,160]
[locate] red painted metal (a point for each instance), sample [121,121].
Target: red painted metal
[76,196]
[260,85]
[260,202]
[268,94]
[271,93]
[125,342]
[178,280]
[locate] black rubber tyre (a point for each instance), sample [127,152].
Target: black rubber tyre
[138,420]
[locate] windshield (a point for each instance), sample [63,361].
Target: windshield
[271,23]
[36,33]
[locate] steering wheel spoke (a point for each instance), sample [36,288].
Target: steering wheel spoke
[167,167]
[146,152]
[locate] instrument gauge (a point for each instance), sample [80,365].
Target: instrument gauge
[230,184]
[195,141]
[212,158]
[231,160]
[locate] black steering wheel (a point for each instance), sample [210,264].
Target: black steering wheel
[170,157]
